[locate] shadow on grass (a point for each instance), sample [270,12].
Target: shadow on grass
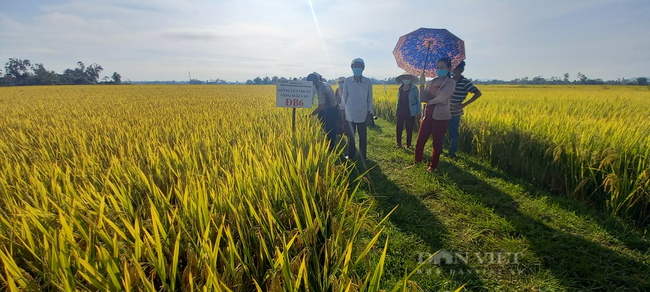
[577,263]
[414,218]
[626,235]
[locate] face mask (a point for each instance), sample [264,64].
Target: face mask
[357,71]
[406,81]
[340,85]
[442,73]
[452,74]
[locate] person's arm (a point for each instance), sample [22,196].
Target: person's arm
[344,95]
[369,100]
[444,93]
[419,111]
[477,93]
[320,107]
[469,87]
[321,102]
[424,94]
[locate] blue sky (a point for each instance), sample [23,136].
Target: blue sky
[239,40]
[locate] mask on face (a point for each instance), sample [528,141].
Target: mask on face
[340,85]
[452,74]
[442,73]
[406,81]
[357,71]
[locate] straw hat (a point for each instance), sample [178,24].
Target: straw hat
[406,75]
[340,80]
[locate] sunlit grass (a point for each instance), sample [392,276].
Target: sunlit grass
[590,142]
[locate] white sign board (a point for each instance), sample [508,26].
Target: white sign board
[294,93]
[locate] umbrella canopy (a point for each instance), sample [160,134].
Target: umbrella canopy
[422,48]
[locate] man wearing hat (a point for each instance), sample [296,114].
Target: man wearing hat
[356,103]
[327,110]
[408,107]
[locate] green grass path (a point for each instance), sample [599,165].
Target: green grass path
[510,235]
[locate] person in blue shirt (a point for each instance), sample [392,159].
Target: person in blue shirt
[463,87]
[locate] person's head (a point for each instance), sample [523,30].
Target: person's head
[406,79]
[443,67]
[460,68]
[340,81]
[357,66]
[314,78]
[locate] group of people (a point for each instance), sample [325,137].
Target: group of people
[349,109]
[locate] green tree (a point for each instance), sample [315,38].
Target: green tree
[78,73]
[642,81]
[117,79]
[566,78]
[92,73]
[42,75]
[258,80]
[18,68]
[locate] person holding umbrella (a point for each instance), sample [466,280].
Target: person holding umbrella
[437,95]
[356,103]
[408,107]
[413,52]
[326,110]
[463,86]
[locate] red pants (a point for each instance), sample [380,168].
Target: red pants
[431,127]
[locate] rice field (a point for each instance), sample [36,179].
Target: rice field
[184,188]
[588,142]
[174,188]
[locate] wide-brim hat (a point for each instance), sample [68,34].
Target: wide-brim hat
[340,80]
[408,76]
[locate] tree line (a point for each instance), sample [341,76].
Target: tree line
[538,80]
[580,79]
[23,72]
[274,80]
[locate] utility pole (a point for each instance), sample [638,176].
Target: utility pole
[188,72]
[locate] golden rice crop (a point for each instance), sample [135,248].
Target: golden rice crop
[190,188]
[589,141]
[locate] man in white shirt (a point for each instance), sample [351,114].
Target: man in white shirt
[356,102]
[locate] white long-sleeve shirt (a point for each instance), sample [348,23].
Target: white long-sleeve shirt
[357,99]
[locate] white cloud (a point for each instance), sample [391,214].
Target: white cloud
[239,40]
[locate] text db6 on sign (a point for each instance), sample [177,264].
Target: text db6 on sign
[294,94]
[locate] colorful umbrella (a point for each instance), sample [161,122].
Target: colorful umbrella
[422,48]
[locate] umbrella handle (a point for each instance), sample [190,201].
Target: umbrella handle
[424,67]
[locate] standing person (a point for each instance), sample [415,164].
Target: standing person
[340,125]
[356,103]
[437,95]
[463,86]
[326,109]
[408,107]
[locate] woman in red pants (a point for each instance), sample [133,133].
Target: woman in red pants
[437,113]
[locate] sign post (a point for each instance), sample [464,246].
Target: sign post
[294,94]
